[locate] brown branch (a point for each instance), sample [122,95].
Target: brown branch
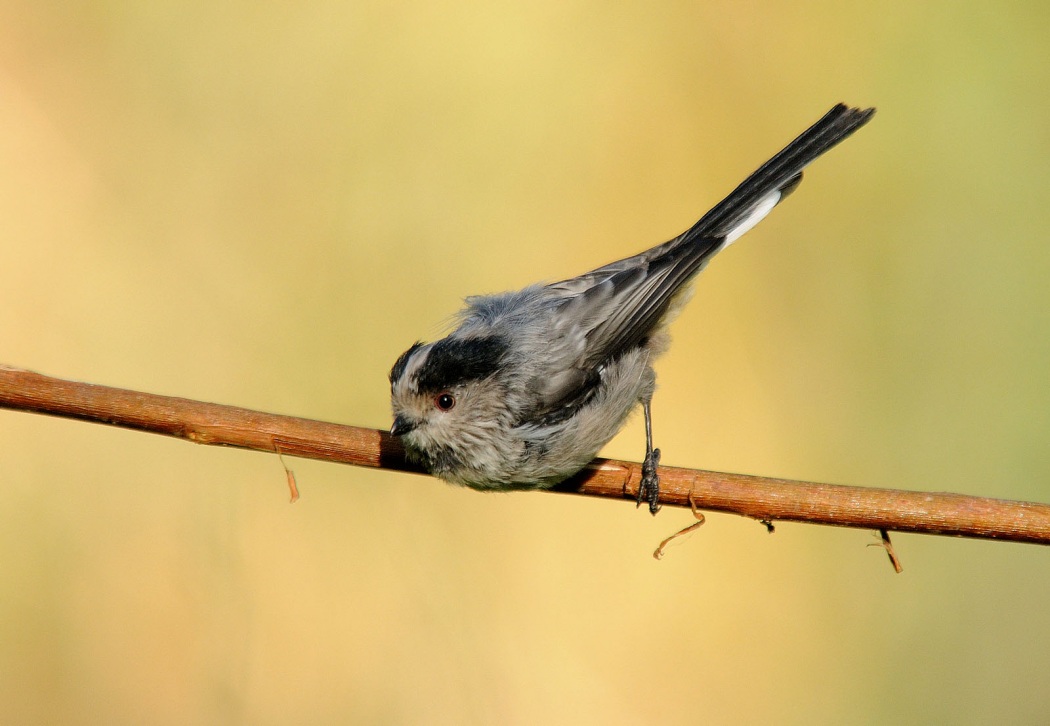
[760,498]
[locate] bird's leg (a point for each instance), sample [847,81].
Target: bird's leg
[649,487]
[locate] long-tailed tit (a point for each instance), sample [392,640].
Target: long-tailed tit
[531,384]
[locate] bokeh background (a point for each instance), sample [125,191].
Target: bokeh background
[263,204]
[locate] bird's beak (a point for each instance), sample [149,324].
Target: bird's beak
[401,426]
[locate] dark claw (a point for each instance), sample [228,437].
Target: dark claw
[649,487]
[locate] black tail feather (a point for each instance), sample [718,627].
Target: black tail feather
[783,171]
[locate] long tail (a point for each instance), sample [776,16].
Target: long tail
[778,177]
[627,298]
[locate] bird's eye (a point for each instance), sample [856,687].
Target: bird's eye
[445,401]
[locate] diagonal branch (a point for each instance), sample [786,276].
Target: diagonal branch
[757,497]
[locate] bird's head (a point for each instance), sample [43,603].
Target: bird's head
[447,402]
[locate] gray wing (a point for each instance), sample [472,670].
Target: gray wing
[613,308]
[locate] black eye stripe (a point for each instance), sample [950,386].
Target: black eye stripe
[402,362]
[454,361]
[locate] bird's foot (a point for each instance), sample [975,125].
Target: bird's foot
[649,487]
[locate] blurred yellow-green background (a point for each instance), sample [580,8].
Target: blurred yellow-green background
[263,204]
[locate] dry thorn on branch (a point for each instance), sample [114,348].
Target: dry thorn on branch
[293,487]
[761,498]
[886,544]
[659,552]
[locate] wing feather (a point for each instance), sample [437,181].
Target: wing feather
[610,310]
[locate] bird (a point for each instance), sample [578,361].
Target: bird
[531,383]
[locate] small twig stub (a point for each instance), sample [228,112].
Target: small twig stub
[886,544]
[659,552]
